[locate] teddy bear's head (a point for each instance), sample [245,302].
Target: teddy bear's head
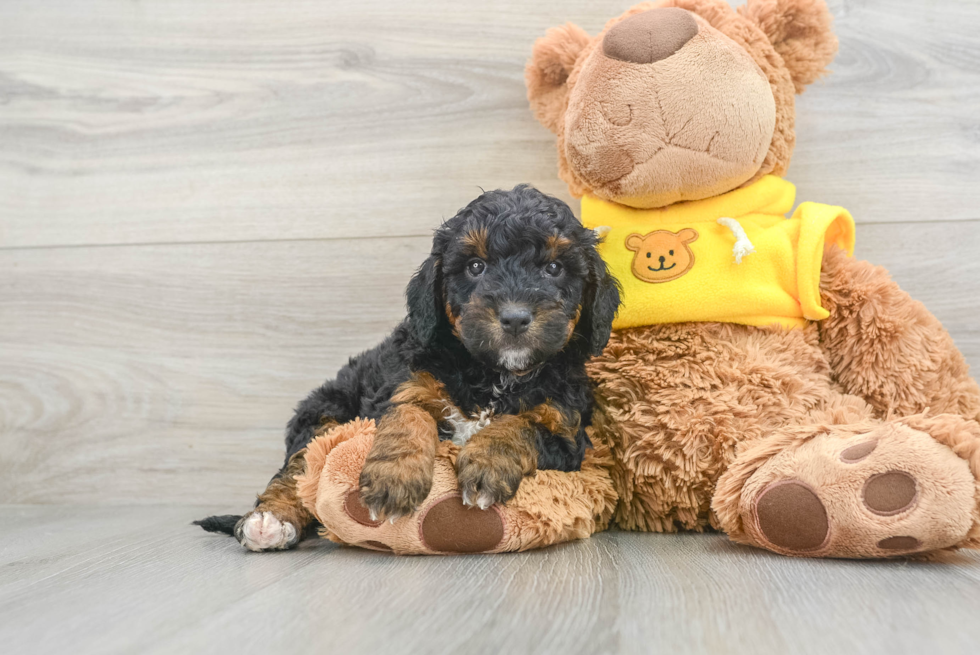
[678,99]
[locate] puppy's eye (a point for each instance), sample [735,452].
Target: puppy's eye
[553,269]
[476,267]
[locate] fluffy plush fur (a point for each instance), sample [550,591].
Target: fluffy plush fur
[855,436]
[700,152]
[501,318]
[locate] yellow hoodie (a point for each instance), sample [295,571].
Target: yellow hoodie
[734,258]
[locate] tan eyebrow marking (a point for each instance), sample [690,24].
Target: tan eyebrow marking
[477,240]
[555,244]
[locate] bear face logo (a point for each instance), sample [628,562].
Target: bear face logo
[662,256]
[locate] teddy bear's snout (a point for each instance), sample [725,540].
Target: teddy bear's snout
[650,36]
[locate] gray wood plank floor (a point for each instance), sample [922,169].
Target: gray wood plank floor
[206,207]
[125,580]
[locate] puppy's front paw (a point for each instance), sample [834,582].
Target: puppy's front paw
[485,480]
[394,488]
[259,531]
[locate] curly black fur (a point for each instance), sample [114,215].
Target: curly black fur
[495,256]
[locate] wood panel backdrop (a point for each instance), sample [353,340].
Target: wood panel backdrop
[206,207]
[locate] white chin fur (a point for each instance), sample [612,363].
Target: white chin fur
[515,359]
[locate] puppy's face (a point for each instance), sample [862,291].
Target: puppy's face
[518,273]
[514,288]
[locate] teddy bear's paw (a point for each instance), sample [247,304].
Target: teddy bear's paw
[445,525]
[260,531]
[450,526]
[892,491]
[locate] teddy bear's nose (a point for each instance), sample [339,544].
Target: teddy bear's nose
[650,36]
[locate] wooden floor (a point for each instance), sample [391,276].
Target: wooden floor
[102,580]
[206,207]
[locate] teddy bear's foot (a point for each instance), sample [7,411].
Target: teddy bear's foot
[548,508]
[840,492]
[443,525]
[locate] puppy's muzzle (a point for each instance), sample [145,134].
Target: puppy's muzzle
[515,320]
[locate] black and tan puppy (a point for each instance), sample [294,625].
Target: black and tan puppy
[501,319]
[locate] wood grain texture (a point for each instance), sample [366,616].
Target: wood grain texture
[124,580]
[150,373]
[183,121]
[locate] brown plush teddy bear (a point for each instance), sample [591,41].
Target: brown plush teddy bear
[759,381]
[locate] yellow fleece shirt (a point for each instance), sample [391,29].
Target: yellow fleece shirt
[678,263]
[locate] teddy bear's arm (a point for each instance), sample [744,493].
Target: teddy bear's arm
[886,347]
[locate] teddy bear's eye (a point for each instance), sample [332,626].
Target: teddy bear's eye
[671,252]
[648,255]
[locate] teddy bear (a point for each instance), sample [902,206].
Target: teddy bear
[549,507]
[760,380]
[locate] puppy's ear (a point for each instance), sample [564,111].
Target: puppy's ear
[425,303]
[600,305]
[546,74]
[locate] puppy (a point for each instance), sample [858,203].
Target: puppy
[501,318]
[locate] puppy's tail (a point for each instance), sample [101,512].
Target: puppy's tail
[225,523]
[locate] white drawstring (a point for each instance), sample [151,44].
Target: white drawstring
[742,245]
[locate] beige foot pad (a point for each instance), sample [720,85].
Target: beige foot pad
[890,491]
[549,508]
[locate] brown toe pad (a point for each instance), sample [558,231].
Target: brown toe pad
[450,527]
[358,512]
[899,543]
[792,517]
[891,492]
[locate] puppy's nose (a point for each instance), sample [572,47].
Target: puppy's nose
[650,36]
[515,320]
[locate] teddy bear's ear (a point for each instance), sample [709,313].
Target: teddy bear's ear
[634,242]
[687,235]
[552,59]
[801,33]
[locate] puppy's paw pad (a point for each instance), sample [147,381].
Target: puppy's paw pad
[261,531]
[484,500]
[473,499]
[448,526]
[486,482]
[389,491]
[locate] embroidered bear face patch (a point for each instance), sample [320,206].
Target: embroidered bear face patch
[662,256]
